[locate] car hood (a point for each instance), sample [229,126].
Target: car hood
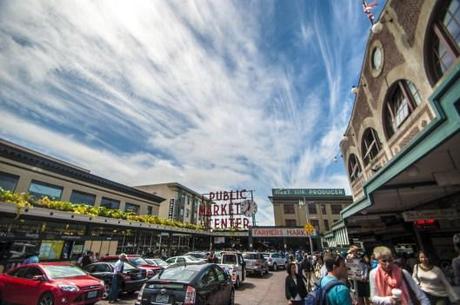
[81,282]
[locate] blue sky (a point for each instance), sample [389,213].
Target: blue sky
[215,95]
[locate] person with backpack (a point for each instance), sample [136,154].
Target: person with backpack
[331,290]
[294,287]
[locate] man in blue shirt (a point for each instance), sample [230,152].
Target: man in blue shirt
[339,294]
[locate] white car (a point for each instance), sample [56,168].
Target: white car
[234,264]
[184,259]
[275,260]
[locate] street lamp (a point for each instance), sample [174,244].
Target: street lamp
[303,203]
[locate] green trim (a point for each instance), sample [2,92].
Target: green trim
[444,125]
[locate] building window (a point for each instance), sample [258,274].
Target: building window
[402,99]
[110,203]
[149,210]
[326,224]
[289,209]
[377,58]
[8,182]
[354,169]
[41,189]
[312,208]
[133,208]
[187,213]
[315,224]
[291,223]
[336,208]
[323,209]
[84,198]
[370,146]
[443,44]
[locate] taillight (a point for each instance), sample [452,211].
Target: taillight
[190,294]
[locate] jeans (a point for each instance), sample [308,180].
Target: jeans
[114,288]
[435,300]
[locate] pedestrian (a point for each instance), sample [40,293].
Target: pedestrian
[456,260]
[31,258]
[389,284]
[87,259]
[319,266]
[362,289]
[432,281]
[116,278]
[294,286]
[306,267]
[336,269]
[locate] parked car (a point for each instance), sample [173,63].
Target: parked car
[255,263]
[184,259]
[49,284]
[132,278]
[275,260]
[197,254]
[200,284]
[138,262]
[234,263]
[157,262]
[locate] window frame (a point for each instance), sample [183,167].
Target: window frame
[8,175]
[288,209]
[109,199]
[84,194]
[367,149]
[437,35]
[45,184]
[138,207]
[293,222]
[354,172]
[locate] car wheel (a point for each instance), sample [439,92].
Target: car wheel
[232,298]
[275,267]
[46,299]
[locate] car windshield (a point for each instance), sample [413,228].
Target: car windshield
[192,258]
[229,259]
[126,266]
[160,262]
[177,274]
[59,272]
[136,261]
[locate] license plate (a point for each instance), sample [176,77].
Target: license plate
[91,294]
[162,298]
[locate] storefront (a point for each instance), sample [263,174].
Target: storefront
[282,239]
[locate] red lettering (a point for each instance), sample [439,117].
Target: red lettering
[216,222]
[243,194]
[216,210]
[226,196]
[230,209]
[223,223]
[237,223]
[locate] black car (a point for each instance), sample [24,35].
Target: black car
[132,278]
[200,284]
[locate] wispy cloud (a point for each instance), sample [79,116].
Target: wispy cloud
[213,94]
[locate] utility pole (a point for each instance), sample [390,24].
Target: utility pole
[306,205]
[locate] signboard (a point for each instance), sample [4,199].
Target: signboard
[354,269]
[438,214]
[227,209]
[309,192]
[279,232]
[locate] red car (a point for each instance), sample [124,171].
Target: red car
[137,261]
[49,284]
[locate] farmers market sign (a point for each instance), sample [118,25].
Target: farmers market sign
[278,232]
[309,192]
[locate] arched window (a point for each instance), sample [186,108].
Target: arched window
[370,145]
[354,169]
[402,99]
[443,44]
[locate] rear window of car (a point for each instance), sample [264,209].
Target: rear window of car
[59,272]
[126,267]
[136,261]
[229,259]
[177,274]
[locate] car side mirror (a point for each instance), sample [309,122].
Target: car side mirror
[38,278]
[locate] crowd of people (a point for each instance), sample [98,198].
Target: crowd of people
[381,279]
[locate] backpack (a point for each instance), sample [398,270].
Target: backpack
[319,295]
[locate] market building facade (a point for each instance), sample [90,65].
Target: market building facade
[402,144]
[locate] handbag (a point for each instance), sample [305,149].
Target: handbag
[412,295]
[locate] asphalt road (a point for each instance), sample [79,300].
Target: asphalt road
[268,290]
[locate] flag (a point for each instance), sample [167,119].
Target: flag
[367,8]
